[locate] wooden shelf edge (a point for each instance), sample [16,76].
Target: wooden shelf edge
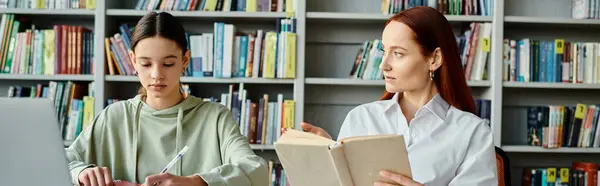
[60,77]
[187,79]
[31,11]
[207,14]
[549,20]
[550,85]
[378,16]
[534,149]
[362,82]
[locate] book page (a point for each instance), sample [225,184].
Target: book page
[306,159]
[368,156]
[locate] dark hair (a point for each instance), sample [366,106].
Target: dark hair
[159,24]
[432,30]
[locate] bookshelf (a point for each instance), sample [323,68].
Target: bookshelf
[329,33]
[25,11]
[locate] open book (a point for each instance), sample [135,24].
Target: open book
[310,160]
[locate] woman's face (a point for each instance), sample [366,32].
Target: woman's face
[404,66]
[159,63]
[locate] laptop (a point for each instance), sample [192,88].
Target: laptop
[32,147]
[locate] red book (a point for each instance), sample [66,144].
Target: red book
[591,169]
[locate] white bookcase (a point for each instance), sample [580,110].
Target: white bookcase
[330,32]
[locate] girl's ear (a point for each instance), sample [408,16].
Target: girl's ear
[132,57]
[436,60]
[186,60]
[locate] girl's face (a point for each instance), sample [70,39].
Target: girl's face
[404,66]
[159,63]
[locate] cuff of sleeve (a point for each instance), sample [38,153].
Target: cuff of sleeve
[212,178]
[75,173]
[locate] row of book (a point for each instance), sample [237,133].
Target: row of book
[474,46]
[277,176]
[586,9]
[529,60]
[64,49]
[225,53]
[474,49]
[556,126]
[579,174]
[451,7]
[218,5]
[74,103]
[260,120]
[49,4]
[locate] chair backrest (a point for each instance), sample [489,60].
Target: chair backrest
[503,165]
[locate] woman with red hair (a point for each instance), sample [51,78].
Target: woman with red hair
[427,100]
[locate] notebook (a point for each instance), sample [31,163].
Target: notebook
[310,160]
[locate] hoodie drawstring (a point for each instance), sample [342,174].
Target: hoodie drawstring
[177,137]
[136,132]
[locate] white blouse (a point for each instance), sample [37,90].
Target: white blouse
[446,146]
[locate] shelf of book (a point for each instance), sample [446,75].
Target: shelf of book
[186,79]
[61,77]
[550,20]
[362,82]
[377,16]
[80,12]
[550,85]
[536,149]
[206,14]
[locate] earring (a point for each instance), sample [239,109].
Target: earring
[431,74]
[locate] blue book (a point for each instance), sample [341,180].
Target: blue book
[542,64]
[243,56]
[118,59]
[550,61]
[126,37]
[218,49]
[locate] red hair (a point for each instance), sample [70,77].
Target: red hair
[432,30]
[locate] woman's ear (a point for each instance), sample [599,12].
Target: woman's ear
[436,60]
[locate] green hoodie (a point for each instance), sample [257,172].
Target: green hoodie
[135,141]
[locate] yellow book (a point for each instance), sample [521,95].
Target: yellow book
[551,175]
[385,5]
[40,4]
[290,64]
[270,55]
[250,5]
[265,120]
[49,52]
[310,160]
[289,6]
[90,4]
[210,5]
[88,111]
[288,113]
[564,175]
[109,58]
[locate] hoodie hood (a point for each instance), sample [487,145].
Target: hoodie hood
[178,111]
